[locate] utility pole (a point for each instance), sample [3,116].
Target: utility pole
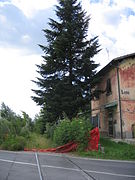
[119,99]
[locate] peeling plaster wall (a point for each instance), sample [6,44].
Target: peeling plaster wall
[98,106]
[127,93]
[127,84]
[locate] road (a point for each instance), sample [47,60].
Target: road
[45,166]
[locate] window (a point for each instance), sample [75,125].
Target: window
[95,121]
[108,87]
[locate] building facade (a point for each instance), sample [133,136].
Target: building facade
[113,110]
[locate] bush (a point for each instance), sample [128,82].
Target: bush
[25,132]
[6,129]
[62,133]
[50,130]
[14,143]
[76,130]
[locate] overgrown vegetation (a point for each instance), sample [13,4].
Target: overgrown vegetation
[112,150]
[39,141]
[17,132]
[14,143]
[76,130]
[14,129]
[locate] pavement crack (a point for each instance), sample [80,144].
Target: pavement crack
[85,174]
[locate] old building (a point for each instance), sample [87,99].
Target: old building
[113,109]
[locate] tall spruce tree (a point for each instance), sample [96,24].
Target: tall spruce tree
[68,68]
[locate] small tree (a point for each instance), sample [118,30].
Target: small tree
[27,120]
[6,112]
[40,123]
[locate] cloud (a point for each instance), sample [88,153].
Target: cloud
[3,19]
[112,16]
[126,34]
[26,39]
[16,30]
[3,3]
[16,72]
[11,31]
[125,4]
[31,7]
[114,22]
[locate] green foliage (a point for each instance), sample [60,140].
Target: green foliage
[6,129]
[118,150]
[38,141]
[112,150]
[76,130]
[12,128]
[50,128]
[6,112]
[62,134]
[28,121]
[25,132]
[14,143]
[39,124]
[7,116]
[68,69]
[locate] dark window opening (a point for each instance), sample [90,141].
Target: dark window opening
[108,87]
[95,121]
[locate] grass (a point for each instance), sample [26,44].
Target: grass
[112,150]
[38,141]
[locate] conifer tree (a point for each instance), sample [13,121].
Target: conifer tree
[68,68]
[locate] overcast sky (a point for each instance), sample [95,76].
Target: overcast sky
[21,24]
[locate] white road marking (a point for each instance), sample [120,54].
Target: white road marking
[96,172]
[39,170]
[111,174]
[70,169]
[18,162]
[104,160]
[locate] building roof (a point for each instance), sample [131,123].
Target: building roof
[114,63]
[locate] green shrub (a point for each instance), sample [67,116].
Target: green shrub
[14,143]
[62,134]
[80,130]
[76,130]
[50,130]
[6,129]
[25,132]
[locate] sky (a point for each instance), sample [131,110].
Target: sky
[21,24]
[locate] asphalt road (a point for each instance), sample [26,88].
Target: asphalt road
[44,166]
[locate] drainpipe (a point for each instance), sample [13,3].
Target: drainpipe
[119,99]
